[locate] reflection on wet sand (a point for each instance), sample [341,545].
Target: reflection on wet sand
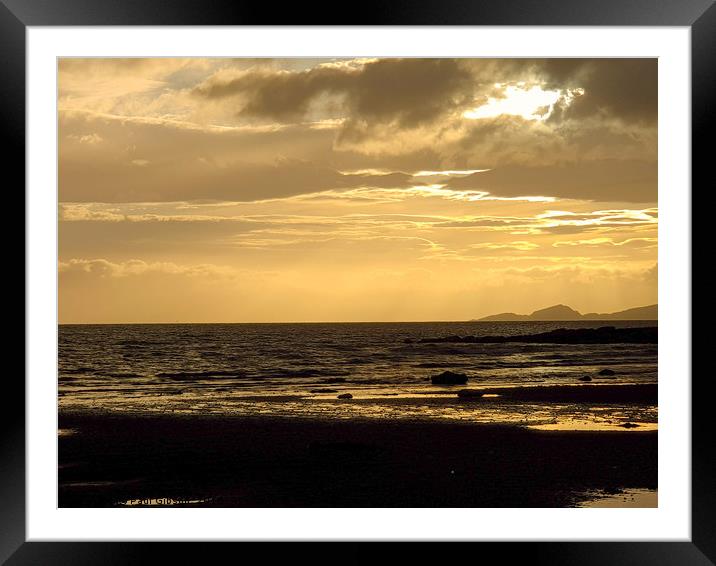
[635,498]
[491,410]
[160,502]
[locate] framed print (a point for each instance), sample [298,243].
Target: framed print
[423,277]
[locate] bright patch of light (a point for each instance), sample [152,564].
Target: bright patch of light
[448,172]
[597,218]
[530,103]
[438,190]
[523,199]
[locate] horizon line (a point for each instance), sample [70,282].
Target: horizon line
[356,322]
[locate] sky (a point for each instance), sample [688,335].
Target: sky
[299,190]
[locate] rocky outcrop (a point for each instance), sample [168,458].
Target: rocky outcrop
[602,335]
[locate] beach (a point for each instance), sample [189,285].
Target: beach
[356,415]
[271,462]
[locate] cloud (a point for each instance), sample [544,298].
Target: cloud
[138,86]
[105,268]
[577,276]
[412,91]
[223,141]
[651,275]
[626,89]
[149,161]
[606,180]
[78,213]
[407,92]
[86,138]
[520,246]
[190,129]
[630,242]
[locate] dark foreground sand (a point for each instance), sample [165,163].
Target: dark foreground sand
[270,462]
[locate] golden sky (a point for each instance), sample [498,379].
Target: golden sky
[263,190]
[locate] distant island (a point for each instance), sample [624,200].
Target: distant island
[563,312]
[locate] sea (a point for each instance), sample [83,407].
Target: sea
[299,370]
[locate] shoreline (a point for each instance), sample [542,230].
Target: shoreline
[599,406]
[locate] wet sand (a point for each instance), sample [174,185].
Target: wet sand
[627,498]
[192,460]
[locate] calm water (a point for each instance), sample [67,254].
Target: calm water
[299,369]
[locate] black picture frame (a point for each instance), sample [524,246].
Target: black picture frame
[698,15]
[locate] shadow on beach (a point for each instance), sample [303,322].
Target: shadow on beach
[271,462]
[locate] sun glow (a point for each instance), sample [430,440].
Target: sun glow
[532,103]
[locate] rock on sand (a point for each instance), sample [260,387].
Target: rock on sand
[449,378]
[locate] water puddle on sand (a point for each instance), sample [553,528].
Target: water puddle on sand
[586,425]
[634,498]
[159,502]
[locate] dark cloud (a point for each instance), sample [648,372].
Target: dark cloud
[415,91]
[623,88]
[608,180]
[405,91]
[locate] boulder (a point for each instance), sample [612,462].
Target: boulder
[449,378]
[345,396]
[585,378]
[607,372]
